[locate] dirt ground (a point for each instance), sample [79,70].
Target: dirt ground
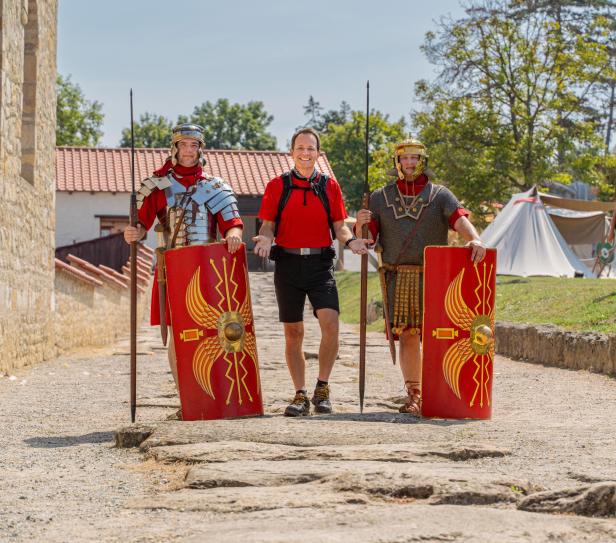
[541,470]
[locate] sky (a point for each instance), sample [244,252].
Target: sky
[177,55]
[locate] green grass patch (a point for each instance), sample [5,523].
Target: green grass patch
[580,305]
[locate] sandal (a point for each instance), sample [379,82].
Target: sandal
[412,406]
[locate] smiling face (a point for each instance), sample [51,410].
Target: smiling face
[305,153]
[188,152]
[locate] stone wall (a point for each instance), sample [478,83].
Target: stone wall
[89,314]
[27,180]
[553,346]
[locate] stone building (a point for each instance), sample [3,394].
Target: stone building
[27,185]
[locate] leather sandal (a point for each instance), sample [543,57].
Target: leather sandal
[412,406]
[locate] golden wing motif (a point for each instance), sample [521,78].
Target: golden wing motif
[246,312]
[208,351]
[456,356]
[455,306]
[199,310]
[250,346]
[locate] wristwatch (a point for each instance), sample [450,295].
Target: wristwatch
[346,243]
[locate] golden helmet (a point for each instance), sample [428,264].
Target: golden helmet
[186,131]
[411,146]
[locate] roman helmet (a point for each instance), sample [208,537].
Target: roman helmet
[186,131]
[411,147]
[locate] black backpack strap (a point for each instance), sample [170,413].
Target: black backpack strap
[287,183]
[320,191]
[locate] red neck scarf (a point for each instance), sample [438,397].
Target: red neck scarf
[187,175]
[412,187]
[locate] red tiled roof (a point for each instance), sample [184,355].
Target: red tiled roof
[94,169]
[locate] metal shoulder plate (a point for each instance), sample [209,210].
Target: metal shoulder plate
[149,185]
[218,197]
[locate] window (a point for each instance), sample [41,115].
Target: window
[112,224]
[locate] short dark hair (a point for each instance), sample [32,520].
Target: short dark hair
[308,130]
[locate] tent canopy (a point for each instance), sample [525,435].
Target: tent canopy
[528,242]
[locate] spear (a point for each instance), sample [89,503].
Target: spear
[364,270]
[133,274]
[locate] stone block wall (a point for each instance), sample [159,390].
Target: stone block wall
[88,314]
[27,180]
[553,346]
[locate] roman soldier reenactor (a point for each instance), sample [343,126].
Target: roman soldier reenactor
[190,292]
[405,217]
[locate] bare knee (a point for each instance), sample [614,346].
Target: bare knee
[328,321]
[409,339]
[293,333]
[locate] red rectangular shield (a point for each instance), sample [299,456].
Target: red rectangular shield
[458,333]
[213,332]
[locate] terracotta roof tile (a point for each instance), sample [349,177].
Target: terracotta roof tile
[94,169]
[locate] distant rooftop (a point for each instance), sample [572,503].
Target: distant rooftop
[94,169]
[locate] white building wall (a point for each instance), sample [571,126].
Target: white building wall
[76,215]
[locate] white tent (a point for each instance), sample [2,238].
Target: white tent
[528,241]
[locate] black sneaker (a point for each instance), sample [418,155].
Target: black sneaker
[320,400]
[299,407]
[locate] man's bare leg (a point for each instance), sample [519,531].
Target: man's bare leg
[328,349]
[294,353]
[410,357]
[410,364]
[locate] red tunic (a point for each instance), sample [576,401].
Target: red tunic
[155,204]
[303,223]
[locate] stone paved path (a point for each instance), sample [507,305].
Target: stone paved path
[380,476]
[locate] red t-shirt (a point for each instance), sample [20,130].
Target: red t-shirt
[302,223]
[414,189]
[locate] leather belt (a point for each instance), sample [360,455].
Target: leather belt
[303,251]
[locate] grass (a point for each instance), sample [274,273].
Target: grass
[580,305]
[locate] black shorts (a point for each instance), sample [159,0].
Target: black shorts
[295,277]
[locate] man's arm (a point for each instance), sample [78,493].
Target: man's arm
[465,228]
[343,234]
[263,242]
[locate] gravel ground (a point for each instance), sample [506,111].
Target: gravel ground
[62,479]
[60,473]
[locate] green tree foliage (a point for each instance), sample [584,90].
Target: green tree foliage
[150,130]
[344,145]
[513,102]
[320,120]
[78,120]
[234,126]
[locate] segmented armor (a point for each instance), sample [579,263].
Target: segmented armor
[193,208]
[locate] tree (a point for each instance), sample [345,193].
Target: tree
[320,121]
[78,121]
[594,19]
[344,145]
[150,130]
[512,104]
[234,126]
[313,111]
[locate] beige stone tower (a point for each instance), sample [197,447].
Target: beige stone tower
[27,180]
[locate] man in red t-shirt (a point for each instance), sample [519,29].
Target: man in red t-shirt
[160,196]
[406,216]
[303,232]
